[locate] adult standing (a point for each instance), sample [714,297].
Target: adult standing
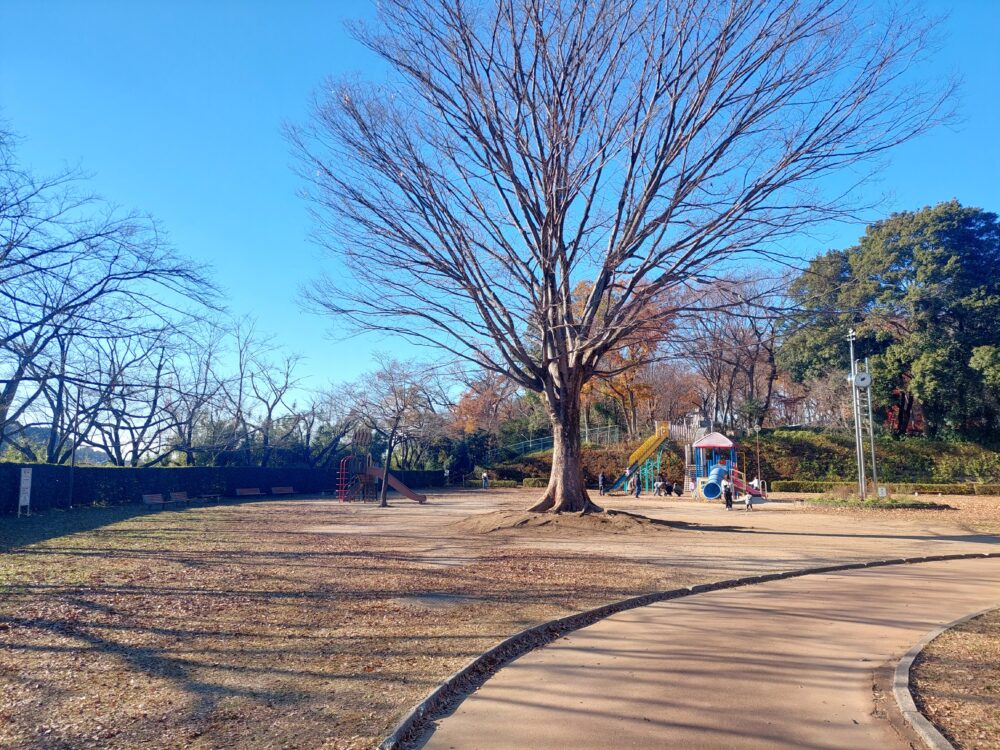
[600,482]
[486,481]
[727,492]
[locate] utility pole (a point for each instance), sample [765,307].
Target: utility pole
[859,450]
[871,427]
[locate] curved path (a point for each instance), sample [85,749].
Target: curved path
[784,664]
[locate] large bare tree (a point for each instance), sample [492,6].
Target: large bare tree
[522,146]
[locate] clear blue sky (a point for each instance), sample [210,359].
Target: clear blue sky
[177,107]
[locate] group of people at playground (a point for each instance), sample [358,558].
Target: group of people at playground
[663,487]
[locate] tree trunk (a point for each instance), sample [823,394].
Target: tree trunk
[382,497]
[567,492]
[905,414]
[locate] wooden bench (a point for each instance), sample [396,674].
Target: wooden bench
[282,491]
[180,497]
[248,492]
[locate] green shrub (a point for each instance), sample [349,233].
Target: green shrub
[535,482]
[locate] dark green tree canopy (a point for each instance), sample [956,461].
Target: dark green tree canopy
[922,289]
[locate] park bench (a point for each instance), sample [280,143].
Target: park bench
[248,492]
[180,497]
[157,499]
[282,491]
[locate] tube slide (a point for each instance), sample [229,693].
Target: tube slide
[402,489]
[712,489]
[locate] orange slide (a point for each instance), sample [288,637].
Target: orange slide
[402,489]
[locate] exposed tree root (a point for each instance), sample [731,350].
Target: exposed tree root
[583,505]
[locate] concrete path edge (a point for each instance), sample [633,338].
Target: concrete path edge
[904,697]
[448,694]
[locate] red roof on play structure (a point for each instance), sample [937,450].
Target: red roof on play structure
[714,440]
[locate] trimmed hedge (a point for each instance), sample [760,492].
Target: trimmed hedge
[102,485]
[477,484]
[535,482]
[963,488]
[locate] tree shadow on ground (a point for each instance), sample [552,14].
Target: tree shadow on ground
[56,522]
[38,527]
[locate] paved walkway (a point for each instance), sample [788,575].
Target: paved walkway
[786,664]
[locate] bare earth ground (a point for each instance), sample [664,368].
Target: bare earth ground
[310,624]
[956,682]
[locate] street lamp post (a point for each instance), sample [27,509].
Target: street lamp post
[756,429]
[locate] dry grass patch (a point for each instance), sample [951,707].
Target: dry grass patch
[232,627]
[979,513]
[956,683]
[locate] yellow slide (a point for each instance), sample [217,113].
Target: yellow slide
[649,446]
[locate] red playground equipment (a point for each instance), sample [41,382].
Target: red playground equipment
[712,458]
[358,476]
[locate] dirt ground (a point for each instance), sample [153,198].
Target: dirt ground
[956,682]
[306,623]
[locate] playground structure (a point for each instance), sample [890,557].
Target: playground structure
[708,461]
[646,460]
[358,477]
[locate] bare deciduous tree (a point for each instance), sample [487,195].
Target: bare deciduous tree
[393,400]
[526,145]
[73,268]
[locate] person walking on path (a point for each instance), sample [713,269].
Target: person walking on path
[727,492]
[486,481]
[600,482]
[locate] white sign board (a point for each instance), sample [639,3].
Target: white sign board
[24,500]
[882,492]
